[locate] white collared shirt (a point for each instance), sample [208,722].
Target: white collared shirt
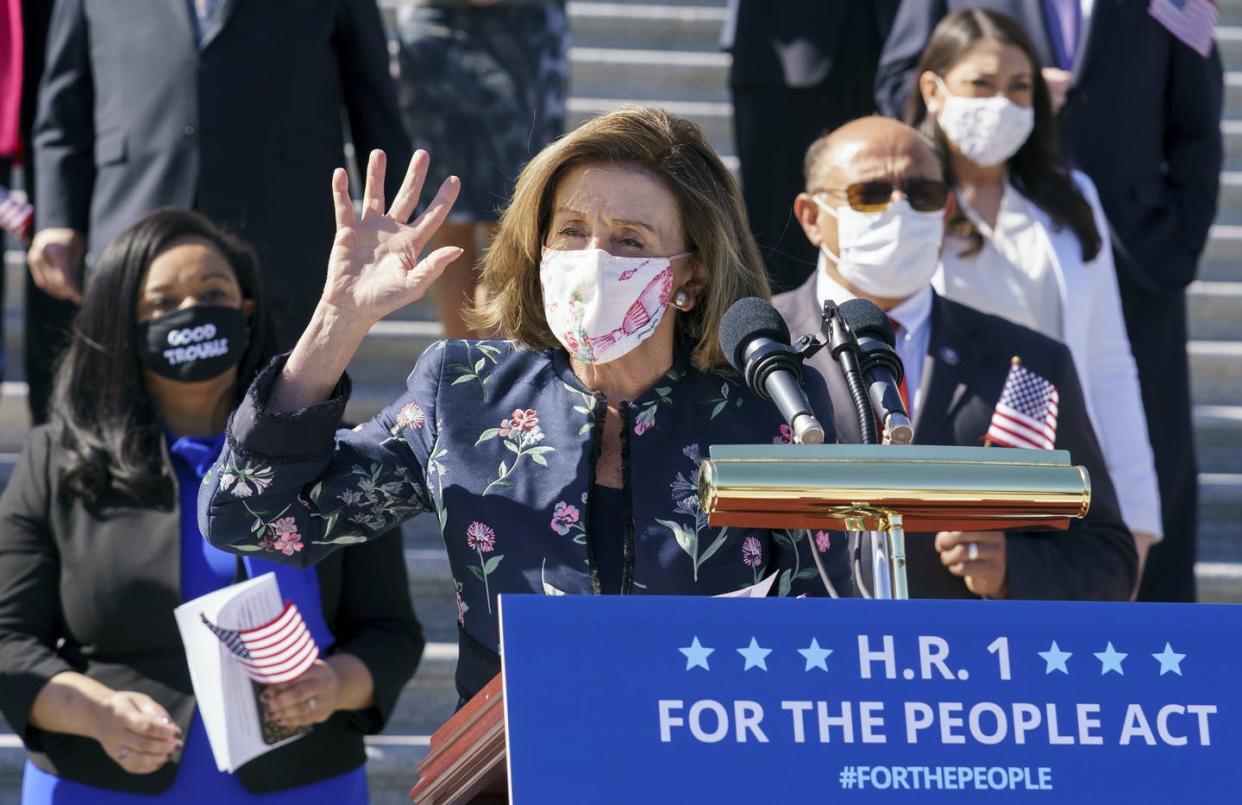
[913,336]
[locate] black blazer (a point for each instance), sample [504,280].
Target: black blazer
[968,358]
[795,43]
[1142,119]
[94,592]
[246,127]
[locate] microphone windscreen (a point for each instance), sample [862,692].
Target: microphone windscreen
[866,318]
[744,321]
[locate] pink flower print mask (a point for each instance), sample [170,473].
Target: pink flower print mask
[600,306]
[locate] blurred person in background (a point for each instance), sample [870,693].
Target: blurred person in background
[99,542]
[184,104]
[23,39]
[1027,239]
[874,206]
[483,86]
[800,68]
[1138,90]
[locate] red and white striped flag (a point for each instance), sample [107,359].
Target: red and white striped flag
[1192,21]
[1026,414]
[15,213]
[278,651]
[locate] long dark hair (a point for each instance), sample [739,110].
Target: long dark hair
[101,414]
[1037,170]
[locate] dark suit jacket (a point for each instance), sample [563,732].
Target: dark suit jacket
[94,592]
[1142,119]
[967,361]
[794,43]
[246,128]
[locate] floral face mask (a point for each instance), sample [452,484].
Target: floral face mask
[600,306]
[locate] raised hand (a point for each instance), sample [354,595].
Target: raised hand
[374,267]
[373,270]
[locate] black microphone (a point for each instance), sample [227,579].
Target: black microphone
[755,341]
[881,367]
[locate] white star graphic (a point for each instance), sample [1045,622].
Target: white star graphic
[756,657]
[1054,659]
[1170,660]
[815,656]
[1110,660]
[696,655]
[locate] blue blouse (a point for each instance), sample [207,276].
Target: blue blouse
[499,443]
[204,569]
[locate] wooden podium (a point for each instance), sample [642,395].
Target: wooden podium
[467,761]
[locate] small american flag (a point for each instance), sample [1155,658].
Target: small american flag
[1192,21]
[278,651]
[1026,415]
[15,213]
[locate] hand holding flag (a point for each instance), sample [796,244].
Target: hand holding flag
[278,651]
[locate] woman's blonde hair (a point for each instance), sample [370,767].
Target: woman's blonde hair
[713,220]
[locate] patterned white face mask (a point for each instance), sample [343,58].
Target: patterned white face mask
[987,131]
[600,306]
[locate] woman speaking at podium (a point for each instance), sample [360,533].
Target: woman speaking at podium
[563,459]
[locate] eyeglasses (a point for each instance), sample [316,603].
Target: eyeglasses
[924,195]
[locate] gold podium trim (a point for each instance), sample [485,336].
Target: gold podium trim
[860,487]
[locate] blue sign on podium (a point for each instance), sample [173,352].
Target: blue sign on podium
[689,700]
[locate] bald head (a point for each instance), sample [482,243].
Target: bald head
[868,149]
[871,149]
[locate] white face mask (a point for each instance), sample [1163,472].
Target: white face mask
[889,254]
[600,306]
[987,131]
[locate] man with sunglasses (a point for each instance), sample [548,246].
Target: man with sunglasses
[874,207]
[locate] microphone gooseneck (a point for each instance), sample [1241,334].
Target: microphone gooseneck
[881,368]
[845,351]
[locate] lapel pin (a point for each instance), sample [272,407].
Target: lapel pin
[949,355]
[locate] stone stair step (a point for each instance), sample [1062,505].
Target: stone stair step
[631,73]
[1218,438]
[715,118]
[646,25]
[1216,371]
[1230,12]
[1214,309]
[1233,95]
[1222,259]
[1232,132]
[1229,209]
[1229,43]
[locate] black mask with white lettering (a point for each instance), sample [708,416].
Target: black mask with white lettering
[194,344]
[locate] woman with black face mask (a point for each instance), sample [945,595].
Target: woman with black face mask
[99,543]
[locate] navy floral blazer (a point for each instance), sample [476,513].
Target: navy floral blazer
[499,443]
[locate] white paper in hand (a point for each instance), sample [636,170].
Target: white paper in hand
[225,694]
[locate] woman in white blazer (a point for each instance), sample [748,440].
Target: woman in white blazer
[1028,239]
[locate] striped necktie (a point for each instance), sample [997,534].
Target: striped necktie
[905,398]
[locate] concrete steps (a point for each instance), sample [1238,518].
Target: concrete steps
[661,26]
[666,53]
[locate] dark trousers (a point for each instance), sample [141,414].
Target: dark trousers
[46,322]
[1157,328]
[773,127]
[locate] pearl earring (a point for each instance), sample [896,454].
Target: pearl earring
[680,300]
